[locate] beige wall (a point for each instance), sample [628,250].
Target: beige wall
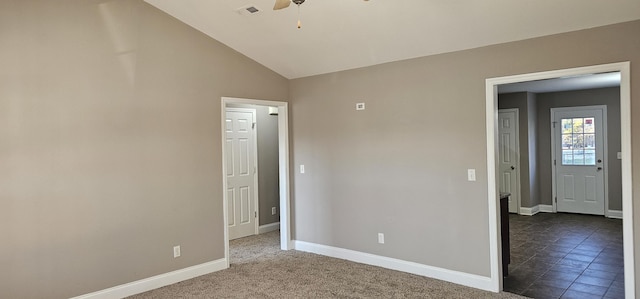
[110,150]
[111,153]
[400,166]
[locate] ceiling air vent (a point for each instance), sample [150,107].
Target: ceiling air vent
[248,10]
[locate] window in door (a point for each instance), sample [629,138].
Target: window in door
[578,141]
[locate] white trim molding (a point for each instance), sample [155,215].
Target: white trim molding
[545,208]
[268,227]
[158,281]
[283,168]
[491,88]
[536,209]
[471,280]
[616,214]
[529,211]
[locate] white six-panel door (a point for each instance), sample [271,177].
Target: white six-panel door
[579,159]
[509,155]
[240,159]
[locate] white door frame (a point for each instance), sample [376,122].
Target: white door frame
[518,186]
[605,161]
[491,85]
[283,154]
[255,192]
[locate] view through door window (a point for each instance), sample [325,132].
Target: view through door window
[578,141]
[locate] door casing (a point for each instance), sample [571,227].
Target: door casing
[283,168]
[491,88]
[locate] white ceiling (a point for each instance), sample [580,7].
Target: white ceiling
[345,34]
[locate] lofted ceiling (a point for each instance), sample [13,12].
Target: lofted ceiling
[345,34]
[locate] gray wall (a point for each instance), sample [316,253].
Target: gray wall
[400,166]
[268,180]
[604,96]
[534,168]
[111,147]
[527,118]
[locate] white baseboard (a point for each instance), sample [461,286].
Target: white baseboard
[545,208]
[614,214]
[529,211]
[471,280]
[268,227]
[157,281]
[536,209]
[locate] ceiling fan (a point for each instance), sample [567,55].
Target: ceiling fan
[280,4]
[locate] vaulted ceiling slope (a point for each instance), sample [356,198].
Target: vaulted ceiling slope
[345,34]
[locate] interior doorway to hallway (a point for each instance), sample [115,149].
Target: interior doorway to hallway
[627,215]
[282,167]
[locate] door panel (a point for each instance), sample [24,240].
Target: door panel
[579,160]
[508,156]
[240,152]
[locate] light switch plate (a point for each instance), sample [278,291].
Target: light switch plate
[619,155]
[471,175]
[301,168]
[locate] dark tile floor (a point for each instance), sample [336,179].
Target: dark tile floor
[565,256]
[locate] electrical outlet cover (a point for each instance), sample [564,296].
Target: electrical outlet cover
[176,251]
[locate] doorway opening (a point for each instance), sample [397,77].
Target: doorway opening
[282,166]
[492,166]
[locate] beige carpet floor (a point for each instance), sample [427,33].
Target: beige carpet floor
[260,270]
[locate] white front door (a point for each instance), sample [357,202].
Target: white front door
[509,155]
[241,172]
[579,159]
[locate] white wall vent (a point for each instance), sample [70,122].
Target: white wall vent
[248,10]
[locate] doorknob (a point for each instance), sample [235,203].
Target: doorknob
[512,168]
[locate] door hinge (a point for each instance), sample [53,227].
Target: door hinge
[556,199]
[255,214]
[554,123]
[253,125]
[554,161]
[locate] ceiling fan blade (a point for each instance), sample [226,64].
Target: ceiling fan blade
[280,4]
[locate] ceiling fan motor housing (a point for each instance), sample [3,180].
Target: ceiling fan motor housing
[297,2]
